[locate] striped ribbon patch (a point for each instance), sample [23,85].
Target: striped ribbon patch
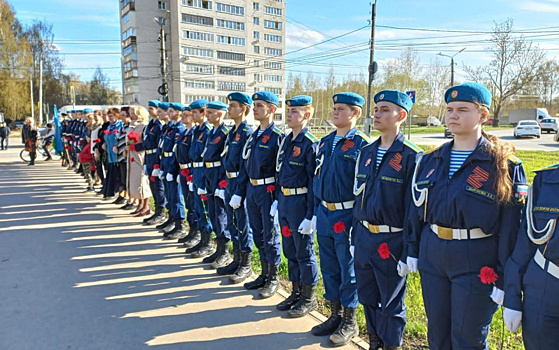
[478,177]
[395,162]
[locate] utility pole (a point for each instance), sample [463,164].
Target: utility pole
[372,70]
[41,88]
[164,88]
[451,64]
[32,100]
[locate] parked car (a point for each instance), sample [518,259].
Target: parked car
[550,125]
[527,128]
[447,133]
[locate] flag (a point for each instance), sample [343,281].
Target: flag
[58,144]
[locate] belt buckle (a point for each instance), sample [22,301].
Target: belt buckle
[208,164]
[445,233]
[254,182]
[285,191]
[374,229]
[331,206]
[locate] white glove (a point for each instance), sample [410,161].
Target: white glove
[235,202]
[145,169]
[403,269]
[412,264]
[178,179]
[175,148]
[191,187]
[155,173]
[313,223]
[274,208]
[161,175]
[201,191]
[513,319]
[498,296]
[170,177]
[352,251]
[220,194]
[306,227]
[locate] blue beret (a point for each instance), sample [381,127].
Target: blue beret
[217,105]
[394,96]
[240,97]
[164,105]
[199,104]
[79,111]
[299,101]
[88,110]
[468,92]
[266,96]
[71,111]
[153,103]
[350,98]
[187,108]
[176,106]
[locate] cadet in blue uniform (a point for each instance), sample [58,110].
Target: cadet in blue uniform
[110,188]
[235,190]
[170,169]
[259,154]
[333,188]
[383,190]
[296,163]
[465,220]
[162,112]
[199,137]
[532,271]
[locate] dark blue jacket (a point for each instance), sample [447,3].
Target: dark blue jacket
[152,134]
[261,161]
[199,137]
[169,164]
[233,158]
[215,144]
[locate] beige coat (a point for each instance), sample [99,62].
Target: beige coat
[137,181]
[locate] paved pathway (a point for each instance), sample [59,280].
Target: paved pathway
[77,273]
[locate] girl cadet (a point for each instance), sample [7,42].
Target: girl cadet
[333,188]
[112,178]
[532,271]
[295,166]
[383,190]
[464,222]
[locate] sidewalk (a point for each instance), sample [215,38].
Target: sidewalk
[78,273]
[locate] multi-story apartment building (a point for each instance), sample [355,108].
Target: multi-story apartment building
[212,48]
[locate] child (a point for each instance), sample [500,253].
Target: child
[86,160]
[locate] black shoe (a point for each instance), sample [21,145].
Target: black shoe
[192,240]
[48,159]
[375,343]
[224,258]
[211,258]
[197,246]
[99,193]
[145,221]
[307,302]
[31,163]
[331,324]
[127,206]
[206,247]
[347,329]
[190,233]
[167,229]
[119,200]
[233,265]
[158,218]
[179,231]
[272,283]
[162,225]
[260,281]
[244,270]
[292,299]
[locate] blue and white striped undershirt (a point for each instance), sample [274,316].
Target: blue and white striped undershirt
[457,158]
[380,154]
[336,140]
[260,132]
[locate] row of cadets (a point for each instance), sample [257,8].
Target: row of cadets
[199,136]
[465,216]
[259,155]
[235,189]
[333,189]
[383,195]
[295,167]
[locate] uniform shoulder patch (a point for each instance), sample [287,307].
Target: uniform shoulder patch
[549,167]
[311,137]
[225,129]
[432,149]
[515,159]
[413,146]
[363,136]
[278,131]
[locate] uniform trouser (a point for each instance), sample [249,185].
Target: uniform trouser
[4,142]
[218,218]
[458,305]
[176,202]
[380,289]
[201,207]
[157,189]
[112,180]
[258,203]
[336,262]
[241,233]
[297,248]
[188,197]
[540,318]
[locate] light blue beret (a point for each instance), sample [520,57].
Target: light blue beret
[468,92]
[266,96]
[350,98]
[394,96]
[240,97]
[176,106]
[299,101]
[199,104]
[217,105]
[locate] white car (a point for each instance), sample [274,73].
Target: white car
[527,128]
[550,125]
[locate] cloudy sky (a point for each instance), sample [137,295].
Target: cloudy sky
[430,26]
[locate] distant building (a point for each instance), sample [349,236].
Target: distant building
[212,47]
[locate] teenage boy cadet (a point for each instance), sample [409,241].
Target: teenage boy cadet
[162,110]
[199,137]
[259,154]
[333,188]
[296,163]
[214,173]
[383,197]
[235,191]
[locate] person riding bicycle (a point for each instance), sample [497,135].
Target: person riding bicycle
[47,140]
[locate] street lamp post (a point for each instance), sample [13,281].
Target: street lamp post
[451,64]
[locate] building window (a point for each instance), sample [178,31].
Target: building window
[235,10]
[194,19]
[232,56]
[273,38]
[274,11]
[198,68]
[203,4]
[190,34]
[256,35]
[128,33]
[278,116]
[129,50]
[192,98]
[199,84]
[272,52]
[230,86]
[256,6]
[257,78]
[256,49]
[191,51]
[272,24]
[256,63]
[272,65]
[232,71]
[230,24]
[230,40]
[256,20]
[126,18]
[274,78]
[161,5]
[276,91]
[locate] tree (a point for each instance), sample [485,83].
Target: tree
[99,88]
[515,65]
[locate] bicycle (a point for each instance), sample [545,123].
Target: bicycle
[24,155]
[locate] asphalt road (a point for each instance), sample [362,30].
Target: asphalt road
[78,273]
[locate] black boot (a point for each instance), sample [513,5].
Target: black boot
[170,227]
[260,281]
[233,265]
[211,258]
[158,218]
[178,232]
[197,246]
[165,223]
[224,258]
[191,230]
[206,247]
[375,343]
[272,283]
[331,324]
[292,299]
[157,212]
[244,270]
[307,302]
[347,329]
[193,240]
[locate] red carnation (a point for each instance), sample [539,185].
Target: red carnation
[133,136]
[97,140]
[189,178]
[339,227]
[152,178]
[384,251]
[94,168]
[132,147]
[185,172]
[487,275]
[223,184]
[132,160]
[115,132]
[271,188]
[106,132]
[203,197]
[285,231]
[156,166]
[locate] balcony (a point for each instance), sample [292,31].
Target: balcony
[130,6]
[131,74]
[129,41]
